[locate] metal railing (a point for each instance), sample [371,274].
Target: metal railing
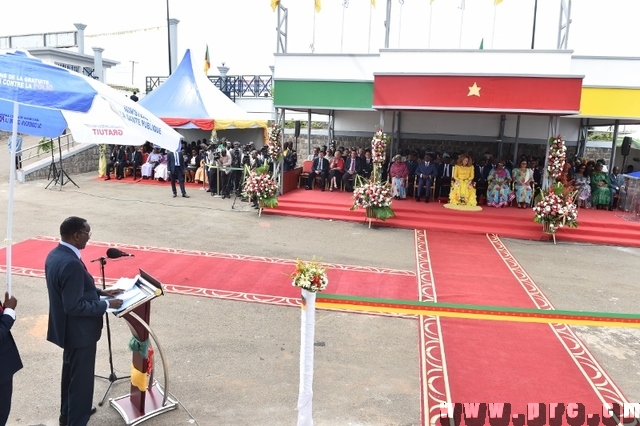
[48,148]
[234,86]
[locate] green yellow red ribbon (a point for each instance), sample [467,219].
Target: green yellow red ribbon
[478,312]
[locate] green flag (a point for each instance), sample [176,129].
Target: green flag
[482,44]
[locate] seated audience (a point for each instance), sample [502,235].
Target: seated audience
[582,184]
[336,169]
[320,168]
[367,165]
[463,191]
[600,192]
[498,192]
[399,174]
[161,172]
[443,180]
[616,187]
[353,167]
[426,171]
[192,163]
[522,180]
[152,162]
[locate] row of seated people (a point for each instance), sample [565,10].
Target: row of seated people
[433,178]
[596,188]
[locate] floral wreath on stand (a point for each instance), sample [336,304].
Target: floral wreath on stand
[557,157]
[274,143]
[310,276]
[373,194]
[557,208]
[260,186]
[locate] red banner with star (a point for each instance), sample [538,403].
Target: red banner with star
[480,93]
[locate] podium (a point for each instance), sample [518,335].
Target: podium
[147,397]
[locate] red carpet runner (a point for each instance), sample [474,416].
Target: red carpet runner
[248,278]
[489,361]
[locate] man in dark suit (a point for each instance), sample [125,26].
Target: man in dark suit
[480,176]
[135,159]
[9,356]
[412,164]
[443,180]
[176,166]
[75,319]
[426,172]
[320,168]
[352,167]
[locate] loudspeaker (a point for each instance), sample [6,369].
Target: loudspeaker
[626,145]
[297,134]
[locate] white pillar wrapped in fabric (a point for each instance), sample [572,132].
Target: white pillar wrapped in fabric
[307,334]
[173,41]
[80,41]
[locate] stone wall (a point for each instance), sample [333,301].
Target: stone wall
[83,159]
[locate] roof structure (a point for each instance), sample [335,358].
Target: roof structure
[188,100]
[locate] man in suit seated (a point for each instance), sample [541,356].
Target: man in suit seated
[443,179]
[320,168]
[617,188]
[9,355]
[75,319]
[134,160]
[352,167]
[412,164]
[426,172]
[481,174]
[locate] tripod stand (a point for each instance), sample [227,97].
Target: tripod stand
[58,175]
[112,378]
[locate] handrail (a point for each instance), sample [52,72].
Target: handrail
[234,86]
[34,153]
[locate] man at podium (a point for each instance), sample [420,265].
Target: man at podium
[75,319]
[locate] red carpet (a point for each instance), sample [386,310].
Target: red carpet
[223,275]
[595,226]
[519,363]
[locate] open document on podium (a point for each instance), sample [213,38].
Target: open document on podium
[135,292]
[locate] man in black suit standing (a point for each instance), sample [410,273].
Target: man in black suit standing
[75,319]
[176,166]
[9,356]
[320,168]
[352,167]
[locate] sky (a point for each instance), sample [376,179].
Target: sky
[241,33]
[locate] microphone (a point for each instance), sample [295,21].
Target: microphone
[114,253]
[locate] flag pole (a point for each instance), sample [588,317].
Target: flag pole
[342,33]
[369,42]
[533,33]
[400,25]
[493,31]
[461,22]
[430,20]
[313,39]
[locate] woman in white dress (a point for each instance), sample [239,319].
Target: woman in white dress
[161,172]
[146,170]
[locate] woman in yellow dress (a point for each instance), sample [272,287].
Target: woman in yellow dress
[463,190]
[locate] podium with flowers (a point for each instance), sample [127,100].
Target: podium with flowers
[147,397]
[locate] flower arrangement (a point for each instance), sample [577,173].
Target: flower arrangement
[375,197]
[557,157]
[274,143]
[263,187]
[310,276]
[379,148]
[557,209]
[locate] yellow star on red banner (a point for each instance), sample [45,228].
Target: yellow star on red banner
[474,90]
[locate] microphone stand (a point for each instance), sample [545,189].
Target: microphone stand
[112,378]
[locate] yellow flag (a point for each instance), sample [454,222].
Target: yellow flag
[373,3]
[274,4]
[318,6]
[497,2]
[431,1]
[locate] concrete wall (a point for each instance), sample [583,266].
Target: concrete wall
[81,159]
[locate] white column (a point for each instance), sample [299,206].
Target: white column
[80,28]
[97,63]
[274,113]
[173,43]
